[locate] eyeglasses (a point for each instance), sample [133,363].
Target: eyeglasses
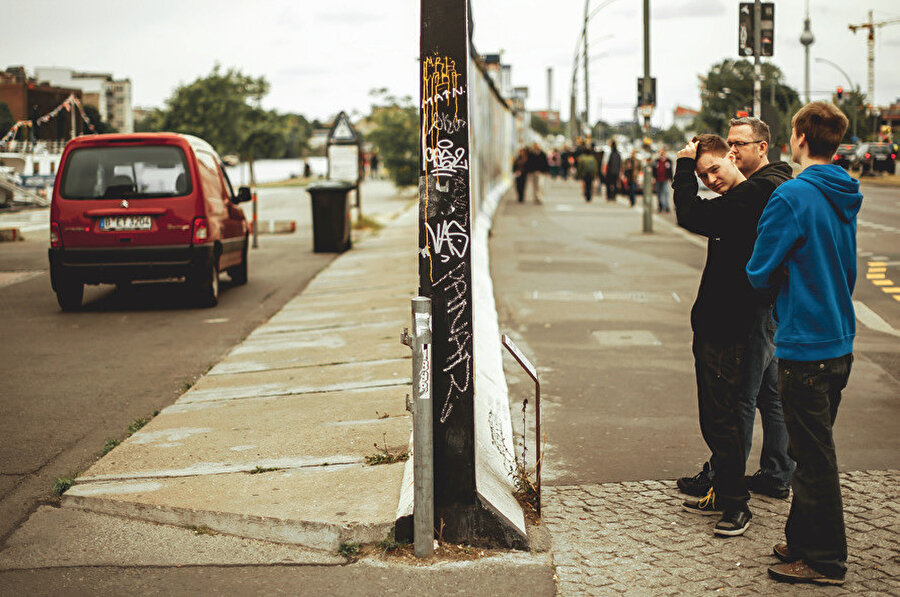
[741,143]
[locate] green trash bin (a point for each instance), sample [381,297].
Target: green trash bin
[330,216]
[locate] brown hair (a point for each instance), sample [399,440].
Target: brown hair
[713,144]
[824,125]
[760,129]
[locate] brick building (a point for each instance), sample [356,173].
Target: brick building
[29,99]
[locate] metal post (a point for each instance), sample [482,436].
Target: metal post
[255,244]
[757,67]
[645,92]
[423,453]
[806,38]
[587,86]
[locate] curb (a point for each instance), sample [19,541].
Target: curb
[275,226]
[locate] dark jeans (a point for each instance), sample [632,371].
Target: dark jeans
[520,187]
[632,190]
[588,182]
[611,183]
[719,368]
[811,393]
[759,390]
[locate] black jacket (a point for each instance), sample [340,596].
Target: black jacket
[725,301]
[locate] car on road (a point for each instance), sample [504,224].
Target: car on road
[144,206]
[844,155]
[874,157]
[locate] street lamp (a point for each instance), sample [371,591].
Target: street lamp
[853,87]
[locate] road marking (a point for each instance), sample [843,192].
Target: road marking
[883,282]
[874,276]
[873,320]
[618,338]
[10,278]
[876,226]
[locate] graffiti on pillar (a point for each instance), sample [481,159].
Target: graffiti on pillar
[454,286]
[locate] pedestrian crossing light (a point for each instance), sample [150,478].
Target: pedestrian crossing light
[742,113]
[840,92]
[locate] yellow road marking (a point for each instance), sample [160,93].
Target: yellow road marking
[883,282]
[875,270]
[877,263]
[874,276]
[892,289]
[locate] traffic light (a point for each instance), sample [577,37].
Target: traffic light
[840,92]
[742,113]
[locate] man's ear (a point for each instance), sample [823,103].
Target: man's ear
[764,147]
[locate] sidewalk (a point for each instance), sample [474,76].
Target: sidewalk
[603,311]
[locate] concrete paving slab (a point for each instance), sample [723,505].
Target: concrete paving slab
[308,380]
[323,319]
[263,352]
[319,507]
[283,432]
[65,537]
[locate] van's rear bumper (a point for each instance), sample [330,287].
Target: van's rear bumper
[119,264]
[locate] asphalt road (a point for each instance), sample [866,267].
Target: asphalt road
[603,311]
[72,380]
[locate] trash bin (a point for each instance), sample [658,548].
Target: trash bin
[330,216]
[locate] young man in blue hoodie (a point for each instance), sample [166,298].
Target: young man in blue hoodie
[806,248]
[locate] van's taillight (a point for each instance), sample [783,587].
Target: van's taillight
[55,240]
[836,158]
[868,155]
[201,231]
[893,156]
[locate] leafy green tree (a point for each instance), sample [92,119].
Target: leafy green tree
[673,137]
[853,104]
[152,122]
[6,118]
[728,87]
[220,108]
[396,135]
[93,115]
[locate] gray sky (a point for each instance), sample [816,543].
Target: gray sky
[321,57]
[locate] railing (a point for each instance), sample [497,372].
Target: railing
[38,147]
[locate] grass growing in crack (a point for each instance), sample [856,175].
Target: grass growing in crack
[349,550]
[365,222]
[524,478]
[186,385]
[262,469]
[111,443]
[390,544]
[62,485]
[385,456]
[202,530]
[136,425]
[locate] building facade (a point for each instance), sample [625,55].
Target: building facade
[111,97]
[29,99]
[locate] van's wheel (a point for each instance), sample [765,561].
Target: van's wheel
[206,285]
[238,273]
[69,294]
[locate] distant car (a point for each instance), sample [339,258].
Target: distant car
[844,155]
[874,157]
[144,206]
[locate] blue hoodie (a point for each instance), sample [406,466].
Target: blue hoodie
[806,247]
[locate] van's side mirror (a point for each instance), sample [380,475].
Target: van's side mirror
[243,195]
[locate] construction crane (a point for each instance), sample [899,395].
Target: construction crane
[871,25]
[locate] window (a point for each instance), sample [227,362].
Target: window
[132,172]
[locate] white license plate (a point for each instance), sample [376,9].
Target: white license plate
[125,223]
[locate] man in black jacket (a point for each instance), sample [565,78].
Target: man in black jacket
[748,139]
[723,314]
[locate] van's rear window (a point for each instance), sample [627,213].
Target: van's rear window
[135,172]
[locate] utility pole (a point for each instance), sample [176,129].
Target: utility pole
[757,51]
[549,89]
[806,38]
[587,86]
[871,25]
[645,92]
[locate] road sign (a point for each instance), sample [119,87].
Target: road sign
[646,111]
[650,100]
[767,29]
[342,131]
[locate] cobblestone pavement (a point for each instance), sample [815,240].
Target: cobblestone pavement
[633,538]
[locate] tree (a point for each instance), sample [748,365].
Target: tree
[221,108]
[673,137]
[93,115]
[853,104]
[728,87]
[396,135]
[6,119]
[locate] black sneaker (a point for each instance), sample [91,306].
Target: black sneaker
[705,505]
[733,523]
[698,485]
[760,482]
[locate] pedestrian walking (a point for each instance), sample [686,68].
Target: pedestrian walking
[806,249]
[586,169]
[631,169]
[554,161]
[748,139]
[611,174]
[537,167]
[373,164]
[723,315]
[520,172]
[662,179]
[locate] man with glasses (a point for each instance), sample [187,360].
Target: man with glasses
[748,139]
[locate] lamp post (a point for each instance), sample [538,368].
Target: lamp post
[806,38]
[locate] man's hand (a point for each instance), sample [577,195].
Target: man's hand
[688,151]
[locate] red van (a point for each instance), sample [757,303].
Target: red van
[144,207]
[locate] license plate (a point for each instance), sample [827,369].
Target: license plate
[125,223]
